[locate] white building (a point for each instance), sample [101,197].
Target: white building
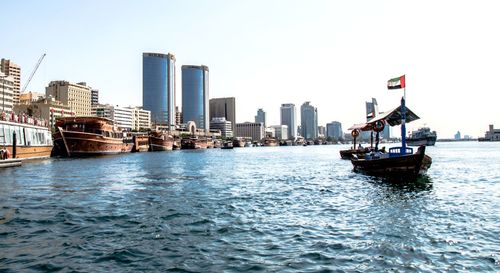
[280,132]
[6,93]
[223,125]
[122,116]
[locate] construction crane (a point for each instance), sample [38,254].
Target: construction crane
[33,73]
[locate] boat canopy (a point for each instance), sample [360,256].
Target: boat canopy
[362,127]
[393,117]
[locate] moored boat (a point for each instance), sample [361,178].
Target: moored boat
[160,141]
[141,142]
[194,142]
[227,145]
[24,138]
[80,136]
[270,142]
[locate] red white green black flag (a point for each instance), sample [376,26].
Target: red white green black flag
[396,83]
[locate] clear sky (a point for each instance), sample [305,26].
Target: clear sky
[335,54]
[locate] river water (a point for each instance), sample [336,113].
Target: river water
[266,209]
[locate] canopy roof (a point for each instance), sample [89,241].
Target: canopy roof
[361,126]
[393,117]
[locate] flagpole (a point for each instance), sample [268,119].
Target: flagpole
[403,120]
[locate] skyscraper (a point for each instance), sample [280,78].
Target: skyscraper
[288,117]
[195,95]
[334,130]
[158,87]
[261,117]
[94,97]
[11,69]
[371,109]
[224,108]
[309,120]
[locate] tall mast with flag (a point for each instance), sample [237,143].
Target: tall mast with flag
[398,83]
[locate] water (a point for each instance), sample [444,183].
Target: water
[269,209]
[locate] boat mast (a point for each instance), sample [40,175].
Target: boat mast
[403,120]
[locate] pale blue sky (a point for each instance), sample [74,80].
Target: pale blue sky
[336,54]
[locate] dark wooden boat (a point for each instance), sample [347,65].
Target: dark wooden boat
[227,145]
[393,164]
[347,154]
[400,161]
[21,138]
[193,142]
[238,142]
[160,141]
[81,136]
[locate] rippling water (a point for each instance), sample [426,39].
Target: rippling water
[269,209]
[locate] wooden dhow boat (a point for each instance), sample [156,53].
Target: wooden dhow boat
[400,161]
[82,136]
[359,151]
[160,141]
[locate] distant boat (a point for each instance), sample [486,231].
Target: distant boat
[423,136]
[81,136]
[227,145]
[270,142]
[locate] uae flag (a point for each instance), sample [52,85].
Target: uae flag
[396,83]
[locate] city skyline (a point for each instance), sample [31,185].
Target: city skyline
[345,51]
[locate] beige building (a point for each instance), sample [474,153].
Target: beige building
[47,109]
[6,93]
[254,130]
[11,69]
[142,119]
[76,96]
[27,98]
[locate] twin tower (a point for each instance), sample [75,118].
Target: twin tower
[158,90]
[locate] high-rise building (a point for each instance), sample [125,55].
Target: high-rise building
[261,117]
[458,135]
[223,125]
[253,130]
[321,131]
[371,109]
[94,97]
[224,108]
[288,117]
[178,116]
[11,69]
[158,87]
[309,120]
[76,95]
[7,92]
[195,95]
[334,130]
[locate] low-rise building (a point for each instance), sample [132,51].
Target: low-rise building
[280,131]
[45,108]
[121,116]
[76,95]
[223,125]
[28,97]
[253,130]
[141,119]
[491,135]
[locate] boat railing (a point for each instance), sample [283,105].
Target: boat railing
[23,119]
[397,151]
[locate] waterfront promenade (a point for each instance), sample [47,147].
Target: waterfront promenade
[267,209]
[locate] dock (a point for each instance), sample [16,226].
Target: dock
[14,162]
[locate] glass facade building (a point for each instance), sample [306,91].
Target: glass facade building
[288,117]
[334,130]
[309,121]
[158,87]
[261,117]
[195,95]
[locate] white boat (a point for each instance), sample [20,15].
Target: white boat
[423,136]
